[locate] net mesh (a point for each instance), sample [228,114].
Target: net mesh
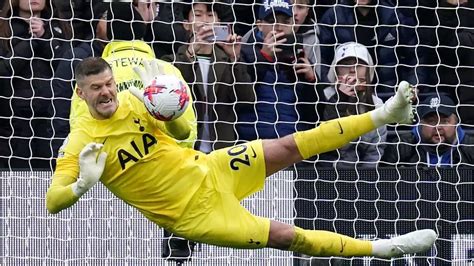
[431,47]
[366,204]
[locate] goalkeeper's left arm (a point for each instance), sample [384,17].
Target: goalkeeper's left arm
[181,128]
[184,128]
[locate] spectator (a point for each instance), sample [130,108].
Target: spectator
[438,140]
[352,71]
[321,6]
[78,12]
[285,85]
[31,41]
[388,34]
[63,85]
[216,77]
[306,26]
[167,33]
[448,38]
[307,30]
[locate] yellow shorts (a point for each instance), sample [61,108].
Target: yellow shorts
[215,215]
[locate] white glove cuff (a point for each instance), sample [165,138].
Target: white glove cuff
[80,187]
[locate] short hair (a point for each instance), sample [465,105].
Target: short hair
[90,66]
[215,6]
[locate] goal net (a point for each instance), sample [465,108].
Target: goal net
[428,43]
[100,229]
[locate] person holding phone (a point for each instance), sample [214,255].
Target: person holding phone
[307,29]
[285,87]
[205,30]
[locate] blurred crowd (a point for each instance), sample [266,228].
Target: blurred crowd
[281,66]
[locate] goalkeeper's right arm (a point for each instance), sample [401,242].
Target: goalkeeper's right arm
[60,194]
[66,190]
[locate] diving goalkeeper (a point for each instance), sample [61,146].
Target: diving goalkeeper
[197,196]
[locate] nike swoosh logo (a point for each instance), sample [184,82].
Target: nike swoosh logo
[254,153]
[343,245]
[252,242]
[340,127]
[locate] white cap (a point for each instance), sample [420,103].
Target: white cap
[351,49]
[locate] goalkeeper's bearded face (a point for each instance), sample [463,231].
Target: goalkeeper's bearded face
[100,93]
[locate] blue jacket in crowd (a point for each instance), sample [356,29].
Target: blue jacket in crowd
[284,104]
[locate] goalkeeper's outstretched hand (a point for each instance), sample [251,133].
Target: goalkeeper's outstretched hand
[151,69]
[91,167]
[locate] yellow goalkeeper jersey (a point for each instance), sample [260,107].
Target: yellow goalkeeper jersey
[145,167]
[122,57]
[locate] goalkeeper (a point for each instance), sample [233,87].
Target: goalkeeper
[197,196]
[125,51]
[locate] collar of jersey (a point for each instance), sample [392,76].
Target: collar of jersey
[120,46]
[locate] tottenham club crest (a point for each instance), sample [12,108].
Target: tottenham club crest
[435,103]
[275,3]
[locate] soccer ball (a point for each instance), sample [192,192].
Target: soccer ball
[166,98]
